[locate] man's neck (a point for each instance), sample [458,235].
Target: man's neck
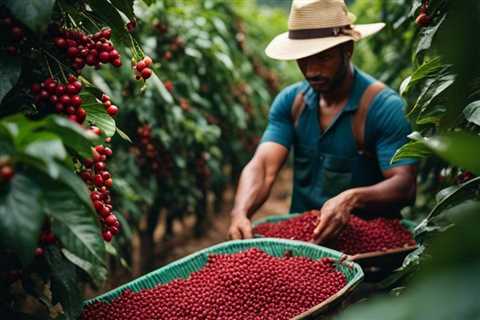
[341,92]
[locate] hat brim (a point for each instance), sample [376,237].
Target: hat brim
[283,48]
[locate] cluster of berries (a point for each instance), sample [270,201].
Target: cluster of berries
[157,161]
[64,98]
[99,180]
[46,238]
[111,109]
[15,32]
[142,70]
[92,49]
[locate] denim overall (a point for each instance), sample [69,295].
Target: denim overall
[320,175]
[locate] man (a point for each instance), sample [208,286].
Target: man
[343,125]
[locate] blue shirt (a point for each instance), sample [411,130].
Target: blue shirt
[327,162]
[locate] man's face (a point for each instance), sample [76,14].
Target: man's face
[325,70]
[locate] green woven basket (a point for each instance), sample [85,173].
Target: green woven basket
[276,247]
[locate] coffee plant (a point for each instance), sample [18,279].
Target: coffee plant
[111,113]
[56,211]
[442,91]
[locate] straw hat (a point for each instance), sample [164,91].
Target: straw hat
[317,25]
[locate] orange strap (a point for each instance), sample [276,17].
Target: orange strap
[297,107]
[360,117]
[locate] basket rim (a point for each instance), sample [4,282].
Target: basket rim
[375,254]
[356,279]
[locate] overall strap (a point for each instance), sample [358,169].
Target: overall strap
[298,106]
[360,116]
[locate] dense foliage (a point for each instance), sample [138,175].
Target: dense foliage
[441,89]
[96,136]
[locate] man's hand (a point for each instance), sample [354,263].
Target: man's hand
[334,215]
[240,228]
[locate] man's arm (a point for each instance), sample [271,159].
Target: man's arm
[255,184]
[399,188]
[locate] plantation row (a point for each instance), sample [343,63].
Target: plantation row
[112,114]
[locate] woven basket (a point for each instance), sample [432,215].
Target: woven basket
[276,247]
[388,259]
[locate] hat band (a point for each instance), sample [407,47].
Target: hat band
[318,33]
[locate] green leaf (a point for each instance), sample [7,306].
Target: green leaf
[21,216]
[452,196]
[460,149]
[64,283]
[442,194]
[123,135]
[75,224]
[97,273]
[125,6]
[155,80]
[33,13]
[47,147]
[412,149]
[73,135]
[76,185]
[472,112]
[109,14]
[428,68]
[431,91]
[225,59]
[10,69]
[432,115]
[97,115]
[427,36]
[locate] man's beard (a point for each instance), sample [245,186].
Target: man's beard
[334,82]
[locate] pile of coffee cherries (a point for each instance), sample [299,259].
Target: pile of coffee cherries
[250,285]
[380,234]
[358,235]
